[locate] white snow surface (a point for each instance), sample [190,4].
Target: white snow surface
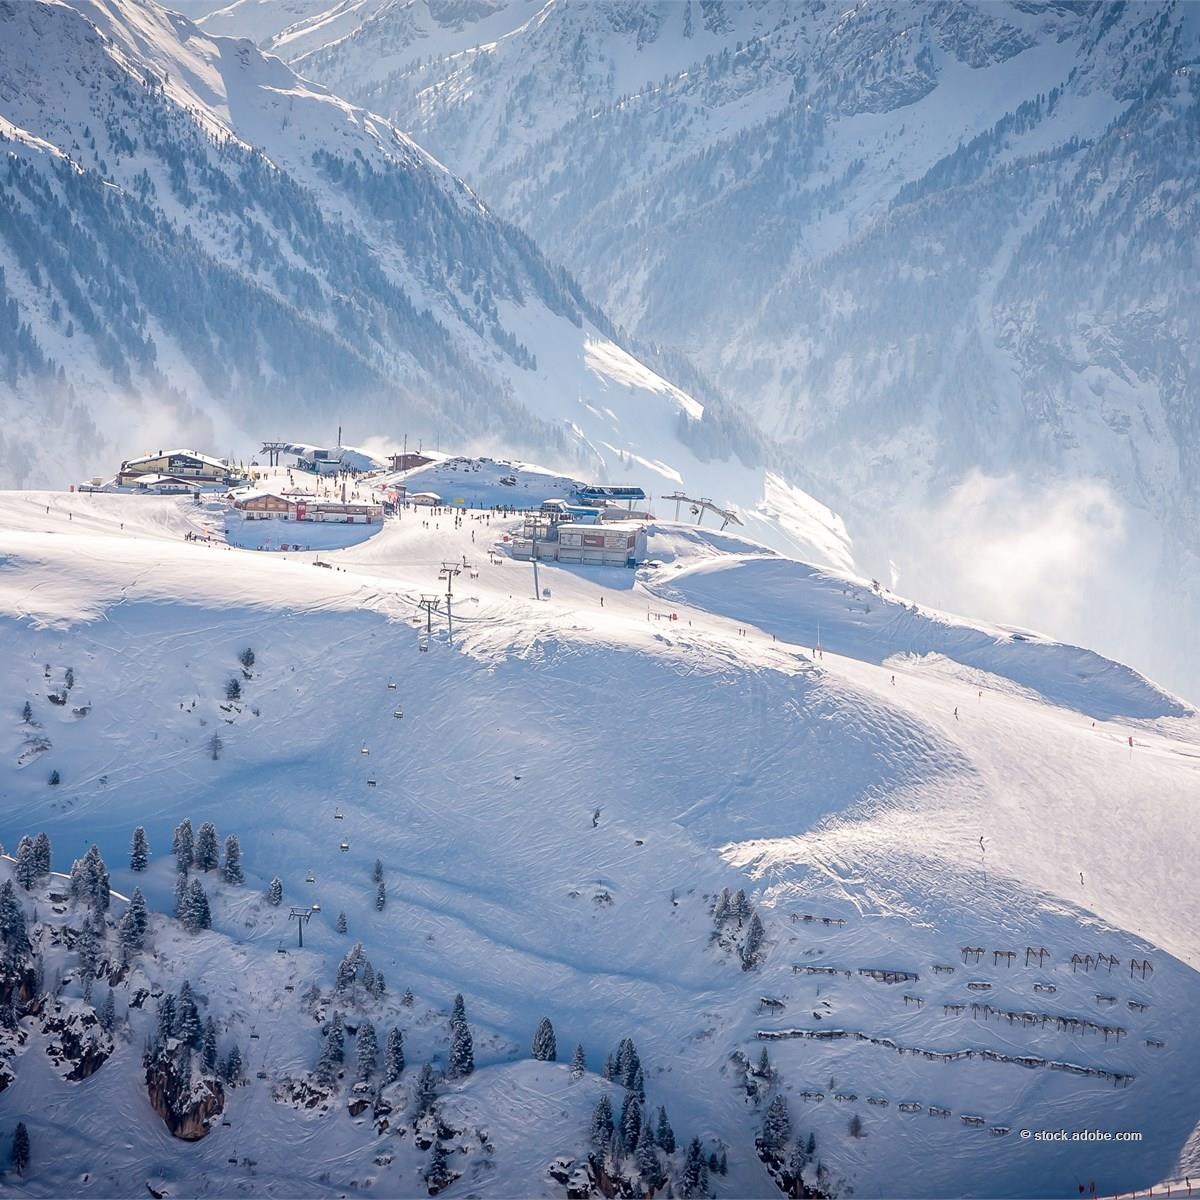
[722,750]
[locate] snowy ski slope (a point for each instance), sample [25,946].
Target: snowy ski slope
[721,751]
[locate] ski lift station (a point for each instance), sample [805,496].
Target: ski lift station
[613,544]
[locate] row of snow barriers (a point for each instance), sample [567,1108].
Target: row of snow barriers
[1029,1061]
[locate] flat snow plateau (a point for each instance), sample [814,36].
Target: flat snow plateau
[687,702]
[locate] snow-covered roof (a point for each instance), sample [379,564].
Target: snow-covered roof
[207,459]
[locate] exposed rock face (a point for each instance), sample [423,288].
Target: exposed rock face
[303,1094]
[188,1102]
[76,1043]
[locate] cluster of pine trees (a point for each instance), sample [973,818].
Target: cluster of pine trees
[739,927]
[636,1149]
[197,850]
[182,1040]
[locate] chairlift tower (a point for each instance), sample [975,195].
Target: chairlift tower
[302,916]
[430,604]
[448,572]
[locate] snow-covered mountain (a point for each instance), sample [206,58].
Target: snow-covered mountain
[199,247]
[941,251]
[557,803]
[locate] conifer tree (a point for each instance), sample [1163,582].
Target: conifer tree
[693,1182]
[208,1046]
[196,913]
[27,713]
[88,949]
[107,1014]
[341,922]
[461,1061]
[393,1055]
[377,872]
[231,1069]
[648,1166]
[233,860]
[165,1018]
[41,854]
[181,893]
[544,1047]
[631,1122]
[437,1174]
[183,845]
[777,1125]
[139,853]
[20,1156]
[26,865]
[187,1027]
[367,1051]
[459,1012]
[602,1122]
[797,1161]
[578,1062]
[275,892]
[753,942]
[13,929]
[426,1090]
[131,929]
[763,1070]
[206,847]
[664,1135]
[638,1086]
[380,895]
[337,1038]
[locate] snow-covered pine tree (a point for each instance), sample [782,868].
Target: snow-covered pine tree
[207,855]
[275,892]
[740,906]
[763,1070]
[183,845]
[107,1012]
[461,1061]
[13,930]
[26,865]
[437,1174]
[340,924]
[631,1122]
[426,1090]
[380,895]
[27,713]
[196,913]
[626,1063]
[664,1135]
[602,1122]
[797,1160]
[233,688]
[87,947]
[165,1018]
[233,860]
[578,1062]
[393,1055]
[337,1037]
[20,1156]
[378,988]
[777,1125]
[367,1050]
[246,658]
[752,946]
[187,1027]
[646,1162]
[139,853]
[377,871]
[459,1012]
[693,1180]
[181,894]
[42,854]
[723,1163]
[231,1069]
[721,908]
[367,975]
[638,1086]
[208,1046]
[408,999]
[131,929]
[544,1047]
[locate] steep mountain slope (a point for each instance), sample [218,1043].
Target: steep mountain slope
[919,242]
[200,247]
[557,808]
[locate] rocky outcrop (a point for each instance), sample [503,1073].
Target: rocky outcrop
[76,1043]
[188,1101]
[306,1095]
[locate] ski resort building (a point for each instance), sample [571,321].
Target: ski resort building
[163,485]
[596,495]
[407,462]
[614,545]
[260,505]
[188,465]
